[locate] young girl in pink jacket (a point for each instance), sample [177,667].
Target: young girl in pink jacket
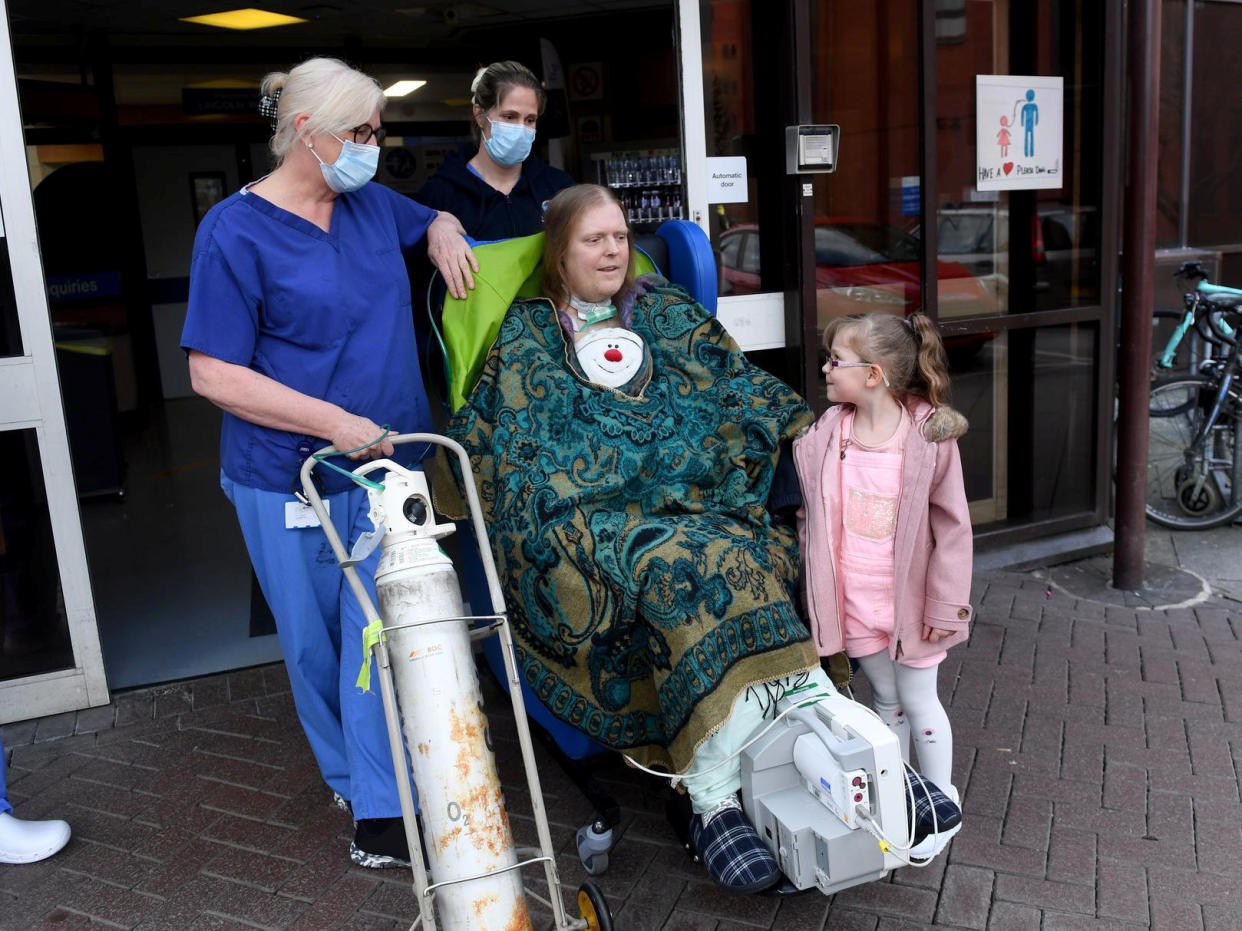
[884,526]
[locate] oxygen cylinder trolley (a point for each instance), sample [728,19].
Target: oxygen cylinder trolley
[420,641]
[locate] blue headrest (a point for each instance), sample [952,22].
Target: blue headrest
[691,262]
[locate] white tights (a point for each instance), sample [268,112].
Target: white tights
[906,700]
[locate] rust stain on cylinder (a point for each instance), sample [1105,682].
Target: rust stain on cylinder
[466,731]
[520,919]
[463,764]
[450,837]
[489,822]
[481,905]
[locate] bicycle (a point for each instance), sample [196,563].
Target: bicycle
[1179,355]
[1194,453]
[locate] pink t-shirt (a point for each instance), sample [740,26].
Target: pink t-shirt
[870,492]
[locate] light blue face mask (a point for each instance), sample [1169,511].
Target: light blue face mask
[509,143]
[354,167]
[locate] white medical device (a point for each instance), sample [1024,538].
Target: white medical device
[818,785]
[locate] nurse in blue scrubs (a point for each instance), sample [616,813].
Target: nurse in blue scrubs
[300,328]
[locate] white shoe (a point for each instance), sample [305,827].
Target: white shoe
[932,844]
[30,841]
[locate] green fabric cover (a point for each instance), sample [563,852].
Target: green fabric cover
[508,270]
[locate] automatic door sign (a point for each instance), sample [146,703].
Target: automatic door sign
[1018,127]
[727,180]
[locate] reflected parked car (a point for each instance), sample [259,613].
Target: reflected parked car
[1063,250]
[860,267]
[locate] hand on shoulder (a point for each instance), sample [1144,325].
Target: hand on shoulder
[451,254]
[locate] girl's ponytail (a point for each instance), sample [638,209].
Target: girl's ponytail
[931,374]
[907,348]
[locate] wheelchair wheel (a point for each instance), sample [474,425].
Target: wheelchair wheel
[1191,488]
[593,907]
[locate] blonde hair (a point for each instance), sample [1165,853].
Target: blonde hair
[908,349]
[559,221]
[335,96]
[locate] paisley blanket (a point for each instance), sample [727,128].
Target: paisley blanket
[645,583]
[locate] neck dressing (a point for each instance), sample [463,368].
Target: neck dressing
[590,312]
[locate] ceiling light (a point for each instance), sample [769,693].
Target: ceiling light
[244,19]
[401,88]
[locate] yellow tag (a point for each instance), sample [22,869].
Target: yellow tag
[370,637]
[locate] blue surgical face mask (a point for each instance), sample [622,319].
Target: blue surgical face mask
[354,167]
[509,143]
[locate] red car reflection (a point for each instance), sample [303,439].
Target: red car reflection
[860,267]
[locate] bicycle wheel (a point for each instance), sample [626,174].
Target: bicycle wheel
[1191,489]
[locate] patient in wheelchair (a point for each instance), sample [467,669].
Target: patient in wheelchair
[624,450]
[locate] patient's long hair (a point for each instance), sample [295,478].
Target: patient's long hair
[559,221]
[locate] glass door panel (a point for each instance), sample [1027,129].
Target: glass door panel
[34,629]
[865,77]
[1008,252]
[1027,251]
[729,122]
[1011,385]
[732,116]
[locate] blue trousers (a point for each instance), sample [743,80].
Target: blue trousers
[320,626]
[4,798]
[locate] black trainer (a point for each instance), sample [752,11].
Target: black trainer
[380,844]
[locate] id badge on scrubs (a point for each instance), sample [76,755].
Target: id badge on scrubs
[299,515]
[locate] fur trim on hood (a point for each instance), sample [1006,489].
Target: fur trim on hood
[945,424]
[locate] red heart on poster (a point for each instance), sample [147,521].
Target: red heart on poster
[1007,167]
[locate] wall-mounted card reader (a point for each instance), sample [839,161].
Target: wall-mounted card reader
[811,149]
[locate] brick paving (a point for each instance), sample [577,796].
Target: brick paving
[1097,746]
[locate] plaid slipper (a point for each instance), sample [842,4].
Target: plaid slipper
[734,854]
[936,817]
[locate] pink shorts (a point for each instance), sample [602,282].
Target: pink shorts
[869,617]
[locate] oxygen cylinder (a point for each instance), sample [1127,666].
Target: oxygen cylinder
[464,821]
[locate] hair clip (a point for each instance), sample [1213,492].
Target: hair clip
[267,106]
[478,79]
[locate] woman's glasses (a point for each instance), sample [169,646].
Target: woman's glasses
[366,132]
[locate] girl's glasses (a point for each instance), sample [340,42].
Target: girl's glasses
[841,364]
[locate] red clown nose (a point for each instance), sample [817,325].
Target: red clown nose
[612,355]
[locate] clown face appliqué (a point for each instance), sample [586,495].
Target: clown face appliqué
[609,356]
